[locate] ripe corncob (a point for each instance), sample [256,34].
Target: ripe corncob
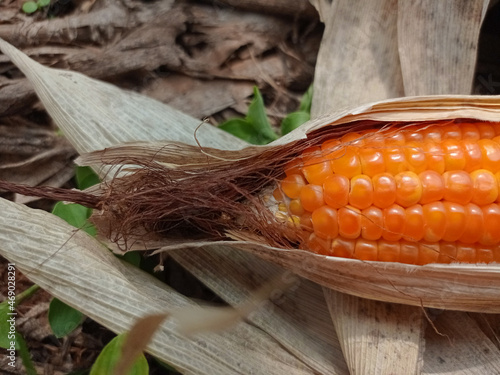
[412,194]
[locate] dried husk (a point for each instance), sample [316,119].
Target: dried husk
[467,287]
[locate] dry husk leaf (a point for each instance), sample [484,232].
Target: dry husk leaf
[358,60]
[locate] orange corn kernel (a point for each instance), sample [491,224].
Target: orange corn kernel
[457,187]
[325,222]
[384,190]
[448,252]
[372,161]
[319,245]
[361,192]
[473,155]
[414,226]
[395,161]
[394,222]
[484,187]
[474,223]
[296,207]
[455,221]
[454,155]
[311,197]
[486,130]
[292,185]
[349,222]
[415,157]
[365,250]
[432,186]
[452,131]
[434,154]
[428,252]
[343,248]
[345,161]
[435,221]
[491,227]
[466,253]
[470,131]
[372,223]
[294,167]
[408,188]
[336,190]
[408,252]
[490,152]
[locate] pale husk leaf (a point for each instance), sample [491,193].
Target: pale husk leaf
[438,43]
[392,346]
[456,345]
[81,272]
[89,132]
[358,59]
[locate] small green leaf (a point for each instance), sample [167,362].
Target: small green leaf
[24,353]
[111,354]
[29,7]
[305,103]
[6,335]
[63,319]
[258,118]
[43,3]
[132,257]
[76,215]
[86,177]
[293,120]
[244,130]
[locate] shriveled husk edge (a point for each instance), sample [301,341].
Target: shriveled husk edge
[466,287]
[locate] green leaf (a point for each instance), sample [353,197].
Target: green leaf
[294,120]
[86,177]
[132,257]
[29,7]
[76,215]
[63,319]
[24,353]
[258,118]
[244,130]
[111,354]
[305,103]
[43,3]
[6,335]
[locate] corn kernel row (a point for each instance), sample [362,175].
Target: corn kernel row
[371,154]
[431,222]
[408,252]
[480,187]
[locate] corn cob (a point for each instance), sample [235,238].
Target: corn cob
[414,195]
